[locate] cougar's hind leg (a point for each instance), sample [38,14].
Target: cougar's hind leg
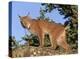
[63,43]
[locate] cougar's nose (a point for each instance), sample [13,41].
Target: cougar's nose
[19,16]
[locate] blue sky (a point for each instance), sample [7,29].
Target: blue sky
[22,8]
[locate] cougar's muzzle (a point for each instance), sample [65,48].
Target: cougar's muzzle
[23,24]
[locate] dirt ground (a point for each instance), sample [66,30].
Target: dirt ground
[28,51]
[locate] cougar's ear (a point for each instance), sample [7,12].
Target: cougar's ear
[28,13]
[28,16]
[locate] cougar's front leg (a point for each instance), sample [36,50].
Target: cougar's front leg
[41,39]
[53,41]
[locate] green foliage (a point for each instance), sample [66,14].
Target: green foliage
[66,10]
[42,14]
[72,34]
[31,39]
[13,42]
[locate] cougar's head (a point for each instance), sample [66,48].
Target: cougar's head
[25,21]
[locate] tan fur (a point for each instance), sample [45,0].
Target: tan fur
[41,27]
